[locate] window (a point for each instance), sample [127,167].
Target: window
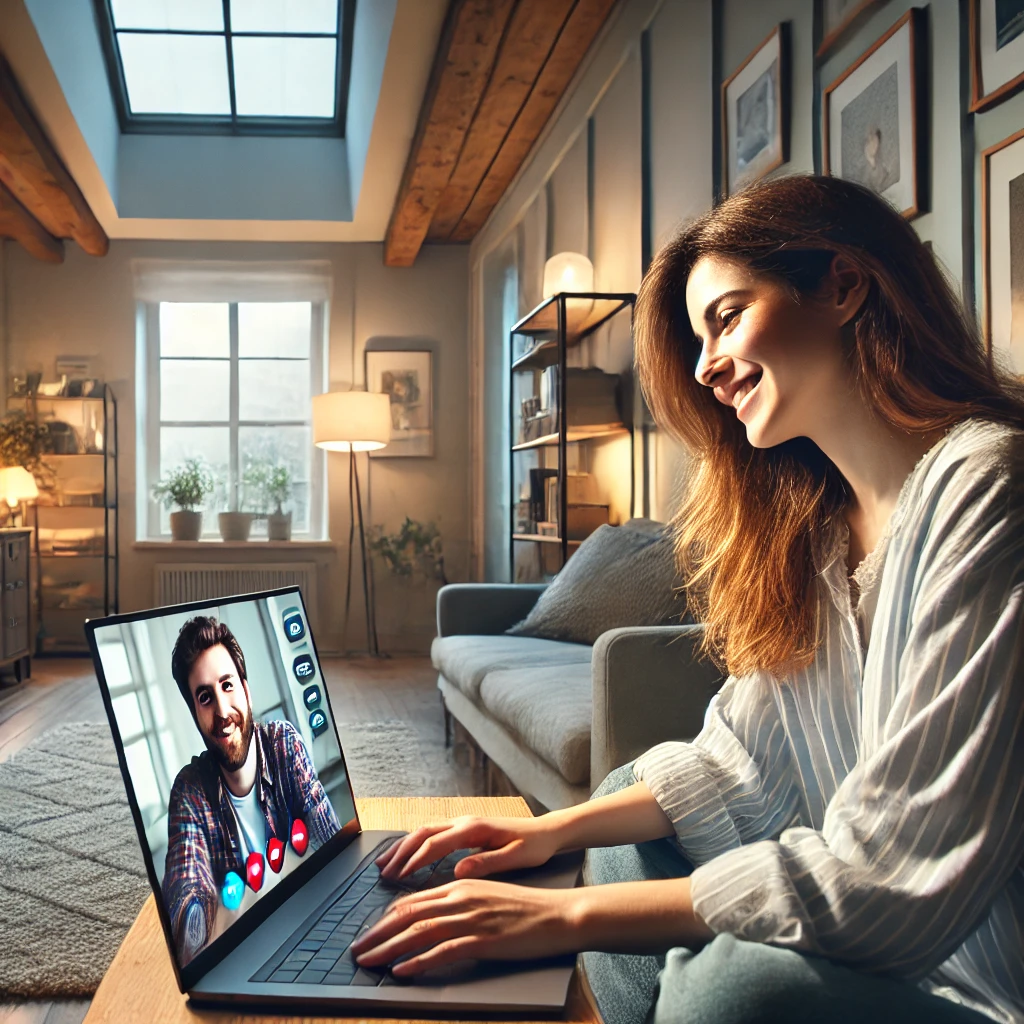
[229,66]
[231,382]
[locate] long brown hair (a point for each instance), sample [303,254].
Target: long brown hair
[750,519]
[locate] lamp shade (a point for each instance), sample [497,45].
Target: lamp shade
[568,272]
[17,484]
[351,421]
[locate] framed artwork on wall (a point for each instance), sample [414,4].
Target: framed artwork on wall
[1002,248]
[836,17]
[997,51]
[875,117]
[406,375]
[755,113]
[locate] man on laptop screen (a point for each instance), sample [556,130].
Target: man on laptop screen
[236,808]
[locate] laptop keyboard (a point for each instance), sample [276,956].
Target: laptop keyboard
[319,951]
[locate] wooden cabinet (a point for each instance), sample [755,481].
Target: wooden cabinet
[14,579]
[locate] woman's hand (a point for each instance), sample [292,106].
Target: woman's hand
[483,920]
[471,919]
[505,844]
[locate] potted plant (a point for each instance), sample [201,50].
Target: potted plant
[234,524]
[269,486]
[184,488]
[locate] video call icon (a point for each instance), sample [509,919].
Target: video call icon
[317,722]
[303,667]
[311,698]
[233,891]
[294,627]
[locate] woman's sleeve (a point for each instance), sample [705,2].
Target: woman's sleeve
[923,834]
[733,783]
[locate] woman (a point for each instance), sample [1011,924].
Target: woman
[853,536]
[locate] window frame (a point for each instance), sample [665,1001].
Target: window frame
[153,421]
[228,124]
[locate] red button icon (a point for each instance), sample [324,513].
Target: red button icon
[254,871]
[275,854]
[300,836]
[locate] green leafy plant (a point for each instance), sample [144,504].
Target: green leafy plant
[185,486]
[267,486]
[23,441]
[415,546]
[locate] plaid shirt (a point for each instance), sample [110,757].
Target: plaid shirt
[203,844]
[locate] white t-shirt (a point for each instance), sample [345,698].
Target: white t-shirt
[252,826]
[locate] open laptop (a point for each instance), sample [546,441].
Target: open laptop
[261,895]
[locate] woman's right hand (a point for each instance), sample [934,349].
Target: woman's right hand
[504,845]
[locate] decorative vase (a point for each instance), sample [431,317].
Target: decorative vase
[186,525]
[279,526]
[234,525]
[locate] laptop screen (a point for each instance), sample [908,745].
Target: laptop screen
[231,749]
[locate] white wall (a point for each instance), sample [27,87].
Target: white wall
[86,307]
[582,185]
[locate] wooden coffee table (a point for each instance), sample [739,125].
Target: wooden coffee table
[139,987]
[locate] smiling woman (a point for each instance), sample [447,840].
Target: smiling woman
[848,826]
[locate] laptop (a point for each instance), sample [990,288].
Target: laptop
[237,783]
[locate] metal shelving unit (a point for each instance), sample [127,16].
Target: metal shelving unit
[543,346]
[76,518]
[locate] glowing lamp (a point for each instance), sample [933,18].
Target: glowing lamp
[568,272]
[351,421]
[17,485]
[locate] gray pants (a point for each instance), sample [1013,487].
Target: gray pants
[732,981]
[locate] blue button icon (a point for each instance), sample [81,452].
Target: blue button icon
[317,722]
[303,667]
[311,698]
[233,891]
[294,627]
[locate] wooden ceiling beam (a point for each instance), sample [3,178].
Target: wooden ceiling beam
[579,32]
[35,175]
[532,32]
[465,57]
[17,223]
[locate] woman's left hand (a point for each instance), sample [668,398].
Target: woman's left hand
[471,919]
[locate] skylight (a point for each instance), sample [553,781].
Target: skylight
[240,66]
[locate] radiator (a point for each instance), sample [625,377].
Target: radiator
[198,581]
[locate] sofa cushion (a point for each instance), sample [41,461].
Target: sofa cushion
[619,576]
[550,710]
[465,660]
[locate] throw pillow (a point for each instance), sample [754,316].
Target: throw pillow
[619,576]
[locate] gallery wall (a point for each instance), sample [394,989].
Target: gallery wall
[86,307]
[633,151]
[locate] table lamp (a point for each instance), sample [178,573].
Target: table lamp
[17,485]
[354,421]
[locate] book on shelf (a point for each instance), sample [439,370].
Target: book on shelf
[538,493]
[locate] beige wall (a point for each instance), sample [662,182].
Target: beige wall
[581,187]
[86,307]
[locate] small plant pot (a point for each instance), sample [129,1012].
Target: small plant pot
[234,525]
[279,526]
[186,525]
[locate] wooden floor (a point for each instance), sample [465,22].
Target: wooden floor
[362,690]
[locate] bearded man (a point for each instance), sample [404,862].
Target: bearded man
[249,786]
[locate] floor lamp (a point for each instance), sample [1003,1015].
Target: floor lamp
[354,421]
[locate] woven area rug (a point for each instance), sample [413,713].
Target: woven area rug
[71,873]
[386,758]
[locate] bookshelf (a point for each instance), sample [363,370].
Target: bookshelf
[566,405]
[75,524]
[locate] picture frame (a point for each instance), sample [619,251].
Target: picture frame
[838,16]
[1002,250]
[407,376]
[756,112]
[875,117]
[996,38]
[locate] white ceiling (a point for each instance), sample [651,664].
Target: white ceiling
[161,187]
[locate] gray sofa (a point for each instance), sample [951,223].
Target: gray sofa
[556,717]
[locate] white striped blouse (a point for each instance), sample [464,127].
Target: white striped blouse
[870,808]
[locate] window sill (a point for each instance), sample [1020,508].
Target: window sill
[216,542]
